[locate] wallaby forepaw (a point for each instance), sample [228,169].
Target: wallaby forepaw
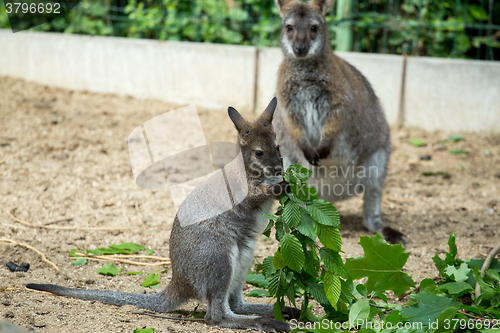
[272,325]
[393,236]
[311,156]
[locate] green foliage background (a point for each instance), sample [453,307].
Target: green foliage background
[445,28]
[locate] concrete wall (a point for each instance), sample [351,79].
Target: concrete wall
[439,94]
[185,73]
[452,95]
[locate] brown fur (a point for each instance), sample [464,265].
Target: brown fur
[327,110]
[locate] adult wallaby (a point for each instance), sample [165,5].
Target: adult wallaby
[328,116]
[210,259]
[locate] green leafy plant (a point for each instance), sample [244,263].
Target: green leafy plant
[123,248]
[300,269]
[152,281]
[145,330]
[458,151]
[109,269]
[417,142]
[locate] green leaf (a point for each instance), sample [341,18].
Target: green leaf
[328,236]
[136,273]
[359,311]
[292,252]
[277,284]
[72,253]
[333,261]
[493,275]
[379,289]
[361,289]
[151,280]
[79,262]
[478,13]
[487,290]
[257,280]
[427,286]
[381,261]
[278,261]
[149,252]
[291,214]
[318,292]
[302,194]
[417,142]
[278,311]
[427,309]
[280,228]
[109,269]
[324,212]
[267,266]
[270,217]
[332,288]
[258,293]
[458,151]
[394,318]
[455,138]
[456,287]
[130,247]
[305,226]
[461,274]
[297,173]
[445,317]
[145,330]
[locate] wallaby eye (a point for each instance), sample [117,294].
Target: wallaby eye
[314,28]
[259,153]
[289,27]
[278,147]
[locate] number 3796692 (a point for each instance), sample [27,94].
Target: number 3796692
[22,7]
[472,324]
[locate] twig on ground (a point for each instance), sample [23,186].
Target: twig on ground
[46,226]
[13,156]
[118,258]
[10,288]
[166,317]
[486,265]
[480,253]
[44,258]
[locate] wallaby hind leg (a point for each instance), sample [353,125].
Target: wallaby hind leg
[220,314]
[375,169]
[238,305]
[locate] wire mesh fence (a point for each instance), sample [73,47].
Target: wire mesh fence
[443,28]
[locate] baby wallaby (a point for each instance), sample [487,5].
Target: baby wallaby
[328,116]
[210,259]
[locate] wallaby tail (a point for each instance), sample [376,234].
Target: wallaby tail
[158,302]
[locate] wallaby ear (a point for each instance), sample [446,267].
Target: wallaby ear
[236,118]
[281,5]
[268,113]
[324,6]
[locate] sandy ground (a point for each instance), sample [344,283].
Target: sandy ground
[75,165]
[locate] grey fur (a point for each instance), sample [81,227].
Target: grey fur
[210,259]
[328,116]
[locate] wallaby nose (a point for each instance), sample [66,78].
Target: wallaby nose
[300,49]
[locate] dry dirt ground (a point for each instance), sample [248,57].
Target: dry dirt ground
[74,165]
